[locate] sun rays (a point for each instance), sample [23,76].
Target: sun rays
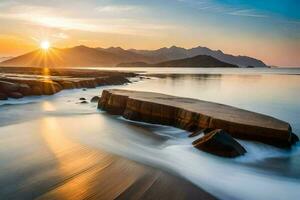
[45,45]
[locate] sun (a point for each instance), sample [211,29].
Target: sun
[45,45]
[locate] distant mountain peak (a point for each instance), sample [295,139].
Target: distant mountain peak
[82,55]
[81,47]
[175,47]
[119,48]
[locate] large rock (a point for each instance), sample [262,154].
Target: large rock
[220,143]
[192,114]
[8,87]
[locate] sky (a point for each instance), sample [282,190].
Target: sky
[265,29]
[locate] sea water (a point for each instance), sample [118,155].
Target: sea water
[264,172]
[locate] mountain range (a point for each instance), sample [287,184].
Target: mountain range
[196,61]
[83,56]
[179,53]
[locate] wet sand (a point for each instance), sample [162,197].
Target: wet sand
[111,177]
[51,165]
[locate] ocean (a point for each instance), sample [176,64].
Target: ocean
[33,129]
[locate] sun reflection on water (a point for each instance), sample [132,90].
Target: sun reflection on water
[71,159]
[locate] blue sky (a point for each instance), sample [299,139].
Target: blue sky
[265,29]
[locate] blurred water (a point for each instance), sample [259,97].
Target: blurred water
[33,132]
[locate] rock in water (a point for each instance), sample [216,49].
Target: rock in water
[193,114]
[84,102]
[82,99]
[95,99]
[220,143]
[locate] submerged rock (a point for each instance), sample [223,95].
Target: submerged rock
[84,102]
[220,143]
[95,99]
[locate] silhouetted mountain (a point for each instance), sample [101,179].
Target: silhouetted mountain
[82,56]
[79,56]
[129,56]
[178,52]
[196,61]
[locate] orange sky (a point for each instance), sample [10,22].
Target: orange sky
[275,40]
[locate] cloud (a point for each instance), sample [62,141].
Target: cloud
[212,6]
[113,9]
[49,17]
[60,35]
[247,13]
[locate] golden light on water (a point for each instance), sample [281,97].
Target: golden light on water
[45,45]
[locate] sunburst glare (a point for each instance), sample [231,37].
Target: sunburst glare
[45,45]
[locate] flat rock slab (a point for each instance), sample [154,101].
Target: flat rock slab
[193,114]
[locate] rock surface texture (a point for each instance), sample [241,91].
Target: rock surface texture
[192,114]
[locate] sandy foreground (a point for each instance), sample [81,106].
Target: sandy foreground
[48,164]
[99,175]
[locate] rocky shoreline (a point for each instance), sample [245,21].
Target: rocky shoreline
[18,82]
[220,123]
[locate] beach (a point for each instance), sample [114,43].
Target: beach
[52,166]
[53,146]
